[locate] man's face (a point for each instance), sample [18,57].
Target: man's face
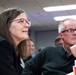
[69,36]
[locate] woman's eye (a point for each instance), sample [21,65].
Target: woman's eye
[21,21]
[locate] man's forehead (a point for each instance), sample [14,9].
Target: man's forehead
[67,22]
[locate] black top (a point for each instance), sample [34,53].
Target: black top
[9,63]
[50,61]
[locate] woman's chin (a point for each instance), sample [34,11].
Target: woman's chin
[25,37]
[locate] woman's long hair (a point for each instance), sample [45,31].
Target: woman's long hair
[6,18]
[22,49]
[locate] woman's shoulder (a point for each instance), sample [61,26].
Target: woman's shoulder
[4,42]
[2,38]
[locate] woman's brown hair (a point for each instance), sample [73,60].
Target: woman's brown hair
[6,17]
[22,50]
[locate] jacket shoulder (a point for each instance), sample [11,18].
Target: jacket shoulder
[2,38]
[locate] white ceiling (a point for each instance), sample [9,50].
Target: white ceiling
[40,19]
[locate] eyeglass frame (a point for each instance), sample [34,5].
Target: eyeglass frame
[28,22]
[69,31]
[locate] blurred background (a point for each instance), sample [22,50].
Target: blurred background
[44,27]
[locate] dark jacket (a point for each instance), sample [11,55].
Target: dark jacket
[9,63]
[50,61]
[28,58]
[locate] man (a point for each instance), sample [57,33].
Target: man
[58,41]
[57,60]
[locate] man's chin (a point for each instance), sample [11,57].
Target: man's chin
[73,43]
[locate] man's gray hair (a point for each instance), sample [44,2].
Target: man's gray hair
[61,26]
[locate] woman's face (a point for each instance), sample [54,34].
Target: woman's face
[19,28]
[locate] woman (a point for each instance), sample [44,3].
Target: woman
[14,26]
[28,52]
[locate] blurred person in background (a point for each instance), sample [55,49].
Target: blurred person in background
[58,41]
[30,50]
[31,46]
[40,49]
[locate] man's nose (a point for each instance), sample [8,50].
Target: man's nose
[75,31]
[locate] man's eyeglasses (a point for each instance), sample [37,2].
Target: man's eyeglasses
[69,30]
[22,21]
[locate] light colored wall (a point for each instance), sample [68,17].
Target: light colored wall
[43,38]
